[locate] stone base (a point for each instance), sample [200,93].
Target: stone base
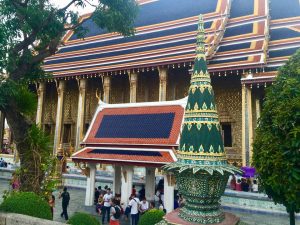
[172,218]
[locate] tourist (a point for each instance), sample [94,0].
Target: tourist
[144,206]
[65,202]
[233,183]
[106,206]
[244,185]
[99,206]
[115,212]
[134,204]
[52,204]
[142,193]
[127,210]
[101,191]
[15,182]
[157,198]
[255,186]
[238,186]
[151,205]
[133,191]
[97,194]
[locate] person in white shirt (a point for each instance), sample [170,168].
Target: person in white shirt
[144,206]
[106,207]
[255,186]
[134,204]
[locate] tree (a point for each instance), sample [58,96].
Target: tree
[30,31]
[276,149]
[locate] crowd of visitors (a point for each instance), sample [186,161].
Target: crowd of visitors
[244,184]
[110,208]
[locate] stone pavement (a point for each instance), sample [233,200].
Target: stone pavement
[77,205]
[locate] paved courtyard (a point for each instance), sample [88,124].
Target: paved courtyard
[77,205]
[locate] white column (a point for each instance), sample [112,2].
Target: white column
[150,183]
[80,113]
[90,185]
[163,76]
[247,128]
[59,115]
[258,109]
[133,86]
[117,180]
[127,177]
[106,88]
[40,94]
[169,184]
[2,127]
[250,123]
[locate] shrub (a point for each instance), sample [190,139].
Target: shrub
[151,217]
[26,203]
[81,218]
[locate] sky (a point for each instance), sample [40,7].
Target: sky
[81,11]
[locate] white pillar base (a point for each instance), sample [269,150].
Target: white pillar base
[150,183]
[127,177]
[90,186]
[117,180]
[168,194]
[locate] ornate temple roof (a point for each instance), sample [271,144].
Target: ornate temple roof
[254,34]
[134,133]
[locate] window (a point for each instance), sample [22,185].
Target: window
[226,134]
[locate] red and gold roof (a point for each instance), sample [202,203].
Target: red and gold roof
[134,133]
[240,34]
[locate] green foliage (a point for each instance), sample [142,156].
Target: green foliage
[31,30]
[26,203]
[152,217]
[81,218]
[276,154]
[43,163]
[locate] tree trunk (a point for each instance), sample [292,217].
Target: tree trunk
[292,218]
[20,126]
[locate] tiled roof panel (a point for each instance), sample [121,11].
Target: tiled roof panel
[160,157]
[284,9]
[227,48]
[147,125]
[158,125]
[238,30]
[162,11]
[241,8]
[283,33]
[125,152]
[283,52]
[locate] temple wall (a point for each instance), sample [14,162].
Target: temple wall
[70,112]
[229,104]
[178,83]
[227,91]
[49,108]
[148,86]
[94,92]
[119,89]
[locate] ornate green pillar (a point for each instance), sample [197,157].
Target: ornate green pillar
[201,169]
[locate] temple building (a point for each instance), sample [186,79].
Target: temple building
[246,42]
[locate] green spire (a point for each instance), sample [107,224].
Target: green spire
[201,144]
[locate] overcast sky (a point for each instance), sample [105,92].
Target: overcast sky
[81,11]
